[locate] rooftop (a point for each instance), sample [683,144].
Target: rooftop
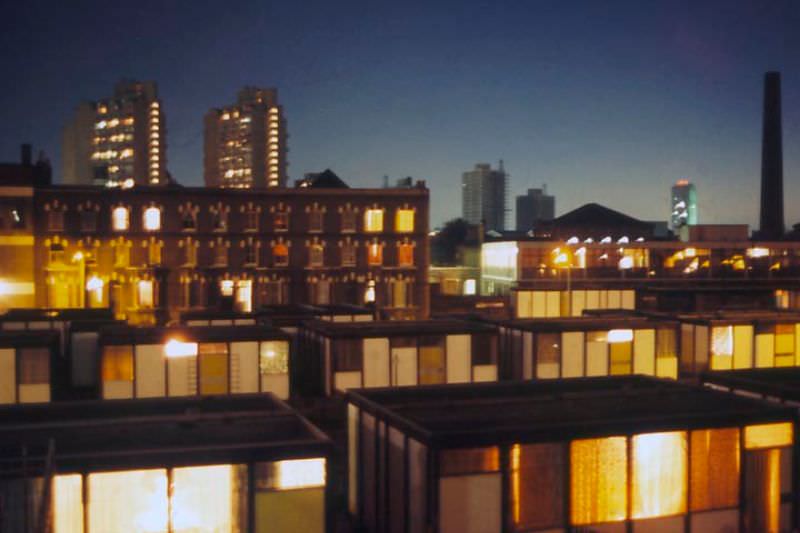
[782,383]
[146,433]
[398,327]
[124,334]
[457,416]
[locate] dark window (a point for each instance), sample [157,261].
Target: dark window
[348,221]
[484,349]
[55,220]
[315,219]
[281,221]
[88,220]
[34,366]
[537,486]
[348,356]
[252,220]
[188,221]
[469,461]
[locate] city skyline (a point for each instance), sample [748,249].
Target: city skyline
[577,108]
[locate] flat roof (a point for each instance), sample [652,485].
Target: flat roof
[782,383]
[36,314]
[587,323]
[388,328]
[738,317]
[483,414]
[134,434]
[124,334]
[28,338]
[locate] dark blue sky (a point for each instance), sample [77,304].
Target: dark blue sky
[607,101]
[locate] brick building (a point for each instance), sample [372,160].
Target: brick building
[153,252]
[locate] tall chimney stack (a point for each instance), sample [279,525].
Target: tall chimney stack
[772,225]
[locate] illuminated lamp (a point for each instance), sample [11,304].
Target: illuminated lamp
[226,287]
[623,240]
[573,240]
[589,240]
[620,335]
[640,239]
[300,473]
[605,240]
[128,183]
[757,252]
[176,348]
[78,256]
[626,263]
[94,284]
[690,252]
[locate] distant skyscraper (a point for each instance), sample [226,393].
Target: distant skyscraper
[483,196]
[245,143]
[117,140]
[772,223]
[683,203]
[535,206]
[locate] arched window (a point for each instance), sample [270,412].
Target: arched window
[120,219]
[280,255]
[151,219]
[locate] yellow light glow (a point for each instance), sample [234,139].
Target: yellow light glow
[201,499]
[515,482]
[78,256]
[598,480]
[300,473]
[768,435]
[620,335]
[690,252]
[152,219]
[659,474]
[67,503]
[561,259]
[573,240]
[757,252]
[226,287]
[135,500]
[176,348]
[369,295]
[404,221]
[127,183]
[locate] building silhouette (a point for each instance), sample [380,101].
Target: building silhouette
[533,207]
[772,223]
[484,192]
[245,143]
[118,140]
[683,205]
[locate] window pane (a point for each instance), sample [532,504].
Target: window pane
[659,474]
[291,474]
[537,486]
[768,435]
[119,219]
[348,355]
[469,461]
[121,502]
[484,349]
[784,339]
[620,356]
[598,480]
[404,222]
[202,499]
[152,219]
[715,468]
[762,490]
[213,368]
[405,255]
[68,504]
[274,357]
[722,348]
[34,366]
[117,363]
[547,348]
[373,220]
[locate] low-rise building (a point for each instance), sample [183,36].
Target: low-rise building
[602,454]
[245,463]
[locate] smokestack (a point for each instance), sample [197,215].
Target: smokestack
[772,226]
[26,154]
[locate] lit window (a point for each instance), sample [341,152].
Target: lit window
[133,500]
[658,486]
[598,480]
[151,219]
[120,220]
[274,357]
[280,255]
[145,293]
[768,435]
[117,363]
[404,221]
[469,287]
[126,153]
[369,294]
[201,498]
[226,287]
[714,475]
[177,348]
[722,348]
[374,254]
[292,474]
[94,288]
[243,297]
[67,503]
[373,220]
[405,255]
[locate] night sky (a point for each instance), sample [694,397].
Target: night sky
[606,101]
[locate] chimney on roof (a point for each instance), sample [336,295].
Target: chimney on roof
[26,152]
[771,223]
